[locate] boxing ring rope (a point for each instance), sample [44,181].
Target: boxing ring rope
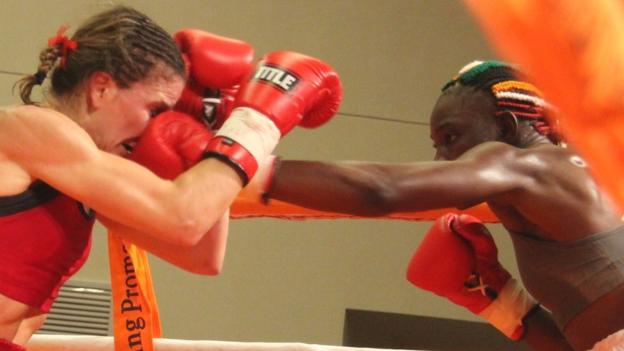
[130,270]
[578,79]
[106,343]
[247,206]
[136,321]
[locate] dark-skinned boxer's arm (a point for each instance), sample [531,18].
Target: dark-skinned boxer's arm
[372,189]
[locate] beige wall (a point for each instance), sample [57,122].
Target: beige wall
[291,281]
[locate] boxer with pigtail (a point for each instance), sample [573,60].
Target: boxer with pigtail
[105,141]
[493,143]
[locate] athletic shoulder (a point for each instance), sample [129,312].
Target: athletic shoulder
[33,116]
[522,165]
[538,156]
[30,121]
[492,151]
[29,133]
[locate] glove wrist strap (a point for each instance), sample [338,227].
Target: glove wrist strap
[253,131]
[508,309]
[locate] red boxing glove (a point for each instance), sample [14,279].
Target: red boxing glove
[287,89]
[293,89]
[216,66]
[457,259]
[172,143]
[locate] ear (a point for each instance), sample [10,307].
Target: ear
[507,123]
[101,88]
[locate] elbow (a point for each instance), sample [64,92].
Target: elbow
[189,230]
[199,259]
[207,265]
[184,222]
[202,251]
[380,199]
[207,269]
[185,232]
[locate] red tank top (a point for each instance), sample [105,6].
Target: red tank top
[45,237]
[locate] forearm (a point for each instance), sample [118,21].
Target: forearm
[187,207]
[376,189]
[206,191]
[339,187]
[542,334]
[180,210]
[205,257]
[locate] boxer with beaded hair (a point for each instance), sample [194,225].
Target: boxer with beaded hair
[511,94]
[493,144]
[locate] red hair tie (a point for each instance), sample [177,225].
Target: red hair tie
[65,44]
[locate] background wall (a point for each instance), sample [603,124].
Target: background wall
[292,281]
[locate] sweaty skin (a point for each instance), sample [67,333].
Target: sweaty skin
[533,186]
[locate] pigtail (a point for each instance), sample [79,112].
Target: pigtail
[47,59]
[59,46]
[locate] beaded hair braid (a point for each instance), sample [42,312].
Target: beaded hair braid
[511,94]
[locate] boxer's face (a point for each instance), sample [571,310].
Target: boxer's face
[462,118]
[121,120]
